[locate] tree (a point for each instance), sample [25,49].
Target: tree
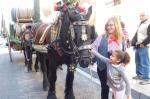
[3,26]
[36,11]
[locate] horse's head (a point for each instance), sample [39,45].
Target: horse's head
[27,33]
[77,35]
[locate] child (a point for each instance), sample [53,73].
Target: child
[116,73]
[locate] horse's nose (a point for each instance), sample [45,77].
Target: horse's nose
[84,63]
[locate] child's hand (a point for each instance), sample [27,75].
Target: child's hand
[129,97]
[93,51]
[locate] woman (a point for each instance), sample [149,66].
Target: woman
[110,41]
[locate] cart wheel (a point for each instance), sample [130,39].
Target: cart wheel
[9,49]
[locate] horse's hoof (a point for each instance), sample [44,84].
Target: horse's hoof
[29,70]
[69,95]
[37,70]
[45,88]
[51,95]
[60,67]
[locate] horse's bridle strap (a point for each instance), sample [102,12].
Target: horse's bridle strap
[84,47]
[80,23]
[44,34]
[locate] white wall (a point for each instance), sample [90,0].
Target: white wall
[130,13]
[128,10]
[6,5]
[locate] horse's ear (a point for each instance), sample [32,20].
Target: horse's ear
[89,12]
[92,18]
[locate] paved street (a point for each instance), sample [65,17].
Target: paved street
[138,91]
[17,83]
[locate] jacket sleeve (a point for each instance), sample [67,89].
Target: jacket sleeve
[96,43]
[147,40]
[102,58]
[134,40]
[128,88]
[124,45]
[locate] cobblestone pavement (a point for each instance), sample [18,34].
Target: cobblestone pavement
[17,83]
[138,91]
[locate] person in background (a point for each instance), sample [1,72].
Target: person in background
[126,35]
[116,73]
[80,8]
[141,41]
[105,44]
[58,6]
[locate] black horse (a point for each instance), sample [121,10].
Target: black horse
[26,39]
[70,47]
[74,41]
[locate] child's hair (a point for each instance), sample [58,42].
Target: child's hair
[123,56]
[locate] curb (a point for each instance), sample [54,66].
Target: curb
[94,77]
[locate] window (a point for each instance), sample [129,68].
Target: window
[117,2]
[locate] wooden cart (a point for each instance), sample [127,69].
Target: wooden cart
[20,17]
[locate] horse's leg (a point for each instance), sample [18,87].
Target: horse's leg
[52,79]
[69,85]
[42,60]
[25,58]
[52,76]
[29,58]
[36,66]
[24,52]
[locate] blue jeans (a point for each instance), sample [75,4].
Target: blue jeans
[142,62]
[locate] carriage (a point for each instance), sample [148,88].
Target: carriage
[19,18]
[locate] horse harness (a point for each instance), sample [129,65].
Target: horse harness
[84,36]
[54,35]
